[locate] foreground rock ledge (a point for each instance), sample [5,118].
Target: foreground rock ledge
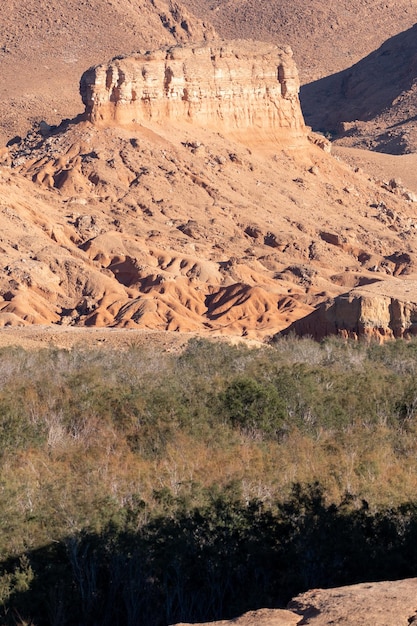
[388,603]
[227,86]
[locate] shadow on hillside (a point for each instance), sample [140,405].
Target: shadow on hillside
[214,562]
[36,137]
[365,90]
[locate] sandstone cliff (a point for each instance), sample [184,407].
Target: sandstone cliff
[226,86]
[45,45]
[384,309]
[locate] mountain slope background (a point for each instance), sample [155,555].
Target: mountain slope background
[46,46]
[326,38]
[172,226]
[372,104]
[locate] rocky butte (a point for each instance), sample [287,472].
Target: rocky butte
[226,86]
[190,196]
[162,140]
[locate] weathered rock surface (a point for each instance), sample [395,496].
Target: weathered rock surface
[385,309]
[226,86]
[166,223]
[388,603]
[263,617]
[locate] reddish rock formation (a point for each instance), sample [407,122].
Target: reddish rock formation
[227,86]
[385,309]
[193,202]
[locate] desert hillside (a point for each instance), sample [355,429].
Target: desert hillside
[371,104]
[326,38]
[142,214]
[46,45]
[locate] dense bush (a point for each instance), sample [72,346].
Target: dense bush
[253,407]
[209,562]
[146,488]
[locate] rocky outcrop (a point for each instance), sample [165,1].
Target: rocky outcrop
[226,86]
[157,221]
[384,309]
[49,43]
[387,603]
[262,617]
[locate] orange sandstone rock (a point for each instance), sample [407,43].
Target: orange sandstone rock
[228,86]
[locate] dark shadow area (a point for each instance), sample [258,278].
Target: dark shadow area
[367,89]
[40,133]
[207,563]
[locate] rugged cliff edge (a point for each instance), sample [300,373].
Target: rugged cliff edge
[385,309]
[226,86]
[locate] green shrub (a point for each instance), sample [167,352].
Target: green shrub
[140,468]
[253,407]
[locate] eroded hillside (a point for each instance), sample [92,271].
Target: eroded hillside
[162,221]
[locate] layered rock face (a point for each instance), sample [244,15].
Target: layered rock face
[226,86]
[49,43]
[383,310]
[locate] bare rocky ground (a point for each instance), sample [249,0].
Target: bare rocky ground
[288,229]
[389,603]
[174,227]
[45,47]
[357,62]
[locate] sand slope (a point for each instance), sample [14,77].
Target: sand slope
[179,228]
